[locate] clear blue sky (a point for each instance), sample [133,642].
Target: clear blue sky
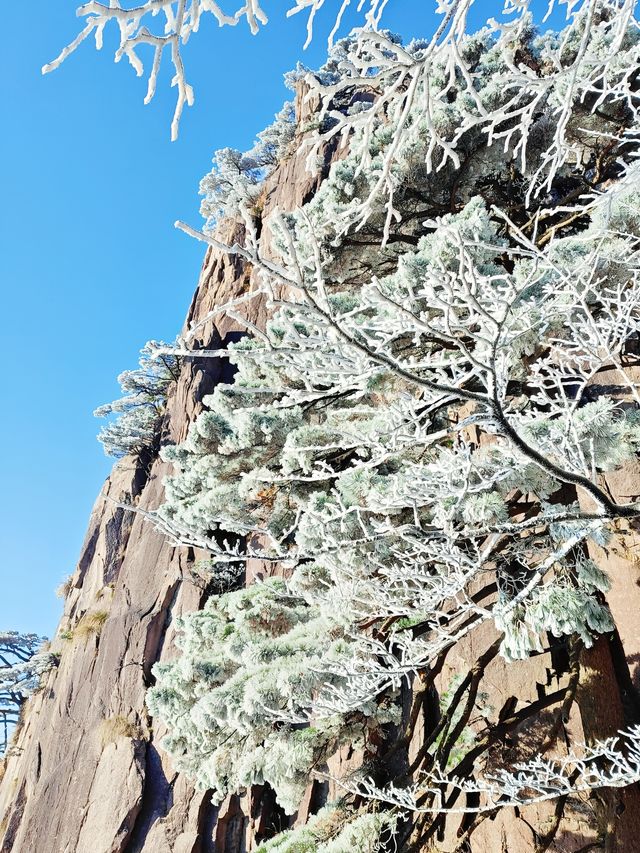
[90,264]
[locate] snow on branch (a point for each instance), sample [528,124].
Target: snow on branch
[610,763]
[179,20]
[493,84]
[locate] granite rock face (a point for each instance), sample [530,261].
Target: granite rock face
[86,773]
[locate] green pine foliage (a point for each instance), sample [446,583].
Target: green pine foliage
[420,412]
[252,664]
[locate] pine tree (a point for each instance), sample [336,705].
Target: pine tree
[417,437]
[416,433]
[136,428]
[21,665]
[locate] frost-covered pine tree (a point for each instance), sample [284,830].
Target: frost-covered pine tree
[418,436]
[21,665]
[139,412]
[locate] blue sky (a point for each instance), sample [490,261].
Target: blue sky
[91,266]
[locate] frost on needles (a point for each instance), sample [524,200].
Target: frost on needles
[417,438]
[139,412]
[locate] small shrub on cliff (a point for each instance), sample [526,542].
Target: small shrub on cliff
[139,412]
[64,588]
[112,729]
[234,184]
[90,624]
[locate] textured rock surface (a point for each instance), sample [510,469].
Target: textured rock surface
[86,774]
